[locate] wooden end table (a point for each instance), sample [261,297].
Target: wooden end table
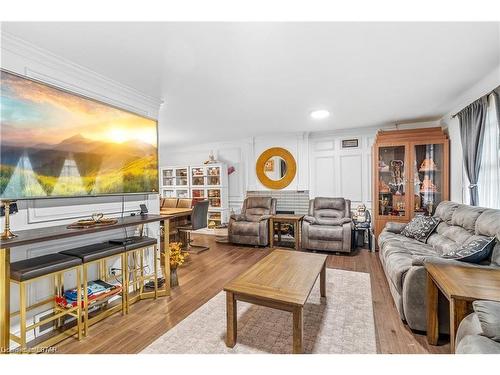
[461,286]
[295,220]
[282,280]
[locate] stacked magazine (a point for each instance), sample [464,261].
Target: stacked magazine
[97,290]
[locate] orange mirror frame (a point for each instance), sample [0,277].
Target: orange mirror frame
[291,168]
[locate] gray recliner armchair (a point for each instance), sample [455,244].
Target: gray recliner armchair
[251,227]
[328,225]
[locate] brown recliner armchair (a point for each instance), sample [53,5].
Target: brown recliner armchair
[328,225]
[251,227]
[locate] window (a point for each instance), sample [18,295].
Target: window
[489,174]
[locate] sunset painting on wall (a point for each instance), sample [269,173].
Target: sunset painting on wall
[58,144]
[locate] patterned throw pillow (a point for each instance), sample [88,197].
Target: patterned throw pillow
[421,227]
[474,251]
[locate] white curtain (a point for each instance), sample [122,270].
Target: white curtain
[489,174]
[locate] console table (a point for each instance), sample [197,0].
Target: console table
[461,286]
[32,236]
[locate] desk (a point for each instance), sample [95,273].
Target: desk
[176,212]
[31,236]
[295,220]
[460,285]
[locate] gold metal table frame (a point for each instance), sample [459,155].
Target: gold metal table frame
[31,236]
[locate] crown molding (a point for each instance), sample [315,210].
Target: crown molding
[30,52]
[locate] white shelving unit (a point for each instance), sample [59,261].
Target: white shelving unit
[175,182]
[202,182]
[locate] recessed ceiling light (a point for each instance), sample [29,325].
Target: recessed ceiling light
[320,114]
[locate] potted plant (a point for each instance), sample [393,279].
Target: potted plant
[177,258]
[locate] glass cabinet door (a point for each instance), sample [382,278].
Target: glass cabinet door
[198,194]
[168,177]
[182,193]
[214,198]
[198,176]
[168,193]
[181,177]
[392,181]
[213,176]
[428,178]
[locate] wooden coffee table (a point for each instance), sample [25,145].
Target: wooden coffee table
[461,286]
[282,280]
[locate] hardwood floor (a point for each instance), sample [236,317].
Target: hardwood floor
[205,275]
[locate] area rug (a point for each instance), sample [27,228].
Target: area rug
[341,323]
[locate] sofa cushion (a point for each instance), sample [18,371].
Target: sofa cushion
[420,227]
[466,216]
[326,233]
[445,210]
[329,208]
[488,224]
[245,228]
[488,313]
[398,253]
[447,238]
[475,250]
[476,344]
[495,255]
[329,203]
[259,202]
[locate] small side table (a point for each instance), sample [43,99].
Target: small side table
[295,220]
[461,286]
[359,229]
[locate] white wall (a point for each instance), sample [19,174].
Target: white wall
[22,58]
[323,167]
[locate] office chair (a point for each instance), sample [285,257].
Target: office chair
[199,219]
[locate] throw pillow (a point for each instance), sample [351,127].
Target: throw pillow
[473,251]
[421,227]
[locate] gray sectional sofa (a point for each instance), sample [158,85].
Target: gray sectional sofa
[403,258]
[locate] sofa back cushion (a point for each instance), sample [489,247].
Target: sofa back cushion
[460,223]
[255,207]
[466,217]
[330,208]
[445,210]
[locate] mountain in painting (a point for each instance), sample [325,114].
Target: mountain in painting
[100,167]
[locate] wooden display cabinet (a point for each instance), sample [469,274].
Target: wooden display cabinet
[410,174]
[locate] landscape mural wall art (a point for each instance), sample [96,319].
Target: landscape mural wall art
[57,144]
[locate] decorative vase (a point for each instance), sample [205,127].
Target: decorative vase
[174,281]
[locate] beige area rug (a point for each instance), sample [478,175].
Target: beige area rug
[341,323]
[212,232]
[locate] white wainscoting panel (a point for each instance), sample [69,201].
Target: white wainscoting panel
[351,176]
[324,176]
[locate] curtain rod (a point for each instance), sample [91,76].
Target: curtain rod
[488,94]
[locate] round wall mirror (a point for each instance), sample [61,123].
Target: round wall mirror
[276,168]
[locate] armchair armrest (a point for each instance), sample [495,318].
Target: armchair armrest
[394,227]
[238,217]
[422,259]
[334,221]
[310,219]
[265,217]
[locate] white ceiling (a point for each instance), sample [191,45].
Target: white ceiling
[232,80]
